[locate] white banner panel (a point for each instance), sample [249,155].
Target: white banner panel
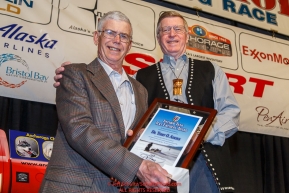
[266,14]
[37,36]
[30,50]
[266,67]
[264,56]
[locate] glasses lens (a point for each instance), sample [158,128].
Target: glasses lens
[124,37]
[112,34]
[166,29]
[109,33]
[177,28]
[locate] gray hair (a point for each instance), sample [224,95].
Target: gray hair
[114,15]
[167,14]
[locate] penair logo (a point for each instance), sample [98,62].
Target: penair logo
[13,6]
[16,68]
[201,40]
[15,32]
[269,119]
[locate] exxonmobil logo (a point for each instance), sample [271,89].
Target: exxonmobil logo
[263,56]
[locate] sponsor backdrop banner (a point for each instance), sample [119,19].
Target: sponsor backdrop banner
[267,14]
[31,146]
[37,36]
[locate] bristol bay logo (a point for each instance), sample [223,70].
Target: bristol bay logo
[201,40]
[14,73]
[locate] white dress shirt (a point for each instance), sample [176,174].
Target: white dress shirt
[125,94]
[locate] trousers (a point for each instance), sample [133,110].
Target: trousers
[201,178]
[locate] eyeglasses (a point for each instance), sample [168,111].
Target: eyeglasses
[110,34]
[179,29]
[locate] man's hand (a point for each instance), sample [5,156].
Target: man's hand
[58,74]
[153,175]
[130,133]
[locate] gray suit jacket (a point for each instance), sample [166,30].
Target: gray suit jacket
[87,148]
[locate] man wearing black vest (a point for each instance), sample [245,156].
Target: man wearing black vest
[182,79]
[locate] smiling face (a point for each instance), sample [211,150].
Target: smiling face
[172,44]
[111,50]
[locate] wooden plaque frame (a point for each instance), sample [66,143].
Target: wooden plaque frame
[208,115]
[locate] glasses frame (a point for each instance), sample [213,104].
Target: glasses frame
[184,30]
[104,32]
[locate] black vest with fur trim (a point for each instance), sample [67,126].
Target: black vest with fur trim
[199,91]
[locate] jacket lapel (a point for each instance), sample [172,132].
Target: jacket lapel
[138,98]
[101,80]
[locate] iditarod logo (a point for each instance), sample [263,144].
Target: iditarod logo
[200,40]
[16,72]
[176,118]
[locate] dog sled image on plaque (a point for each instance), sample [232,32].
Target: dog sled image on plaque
[170,133]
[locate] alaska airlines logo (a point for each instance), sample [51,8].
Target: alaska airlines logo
[15,32]
[18,73]
[201,40]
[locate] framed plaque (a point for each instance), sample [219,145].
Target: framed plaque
[170,132]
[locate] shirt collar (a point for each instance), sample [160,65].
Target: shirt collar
[109,71]
[106,67]
[171,60]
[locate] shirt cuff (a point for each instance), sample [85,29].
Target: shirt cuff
[219,137]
